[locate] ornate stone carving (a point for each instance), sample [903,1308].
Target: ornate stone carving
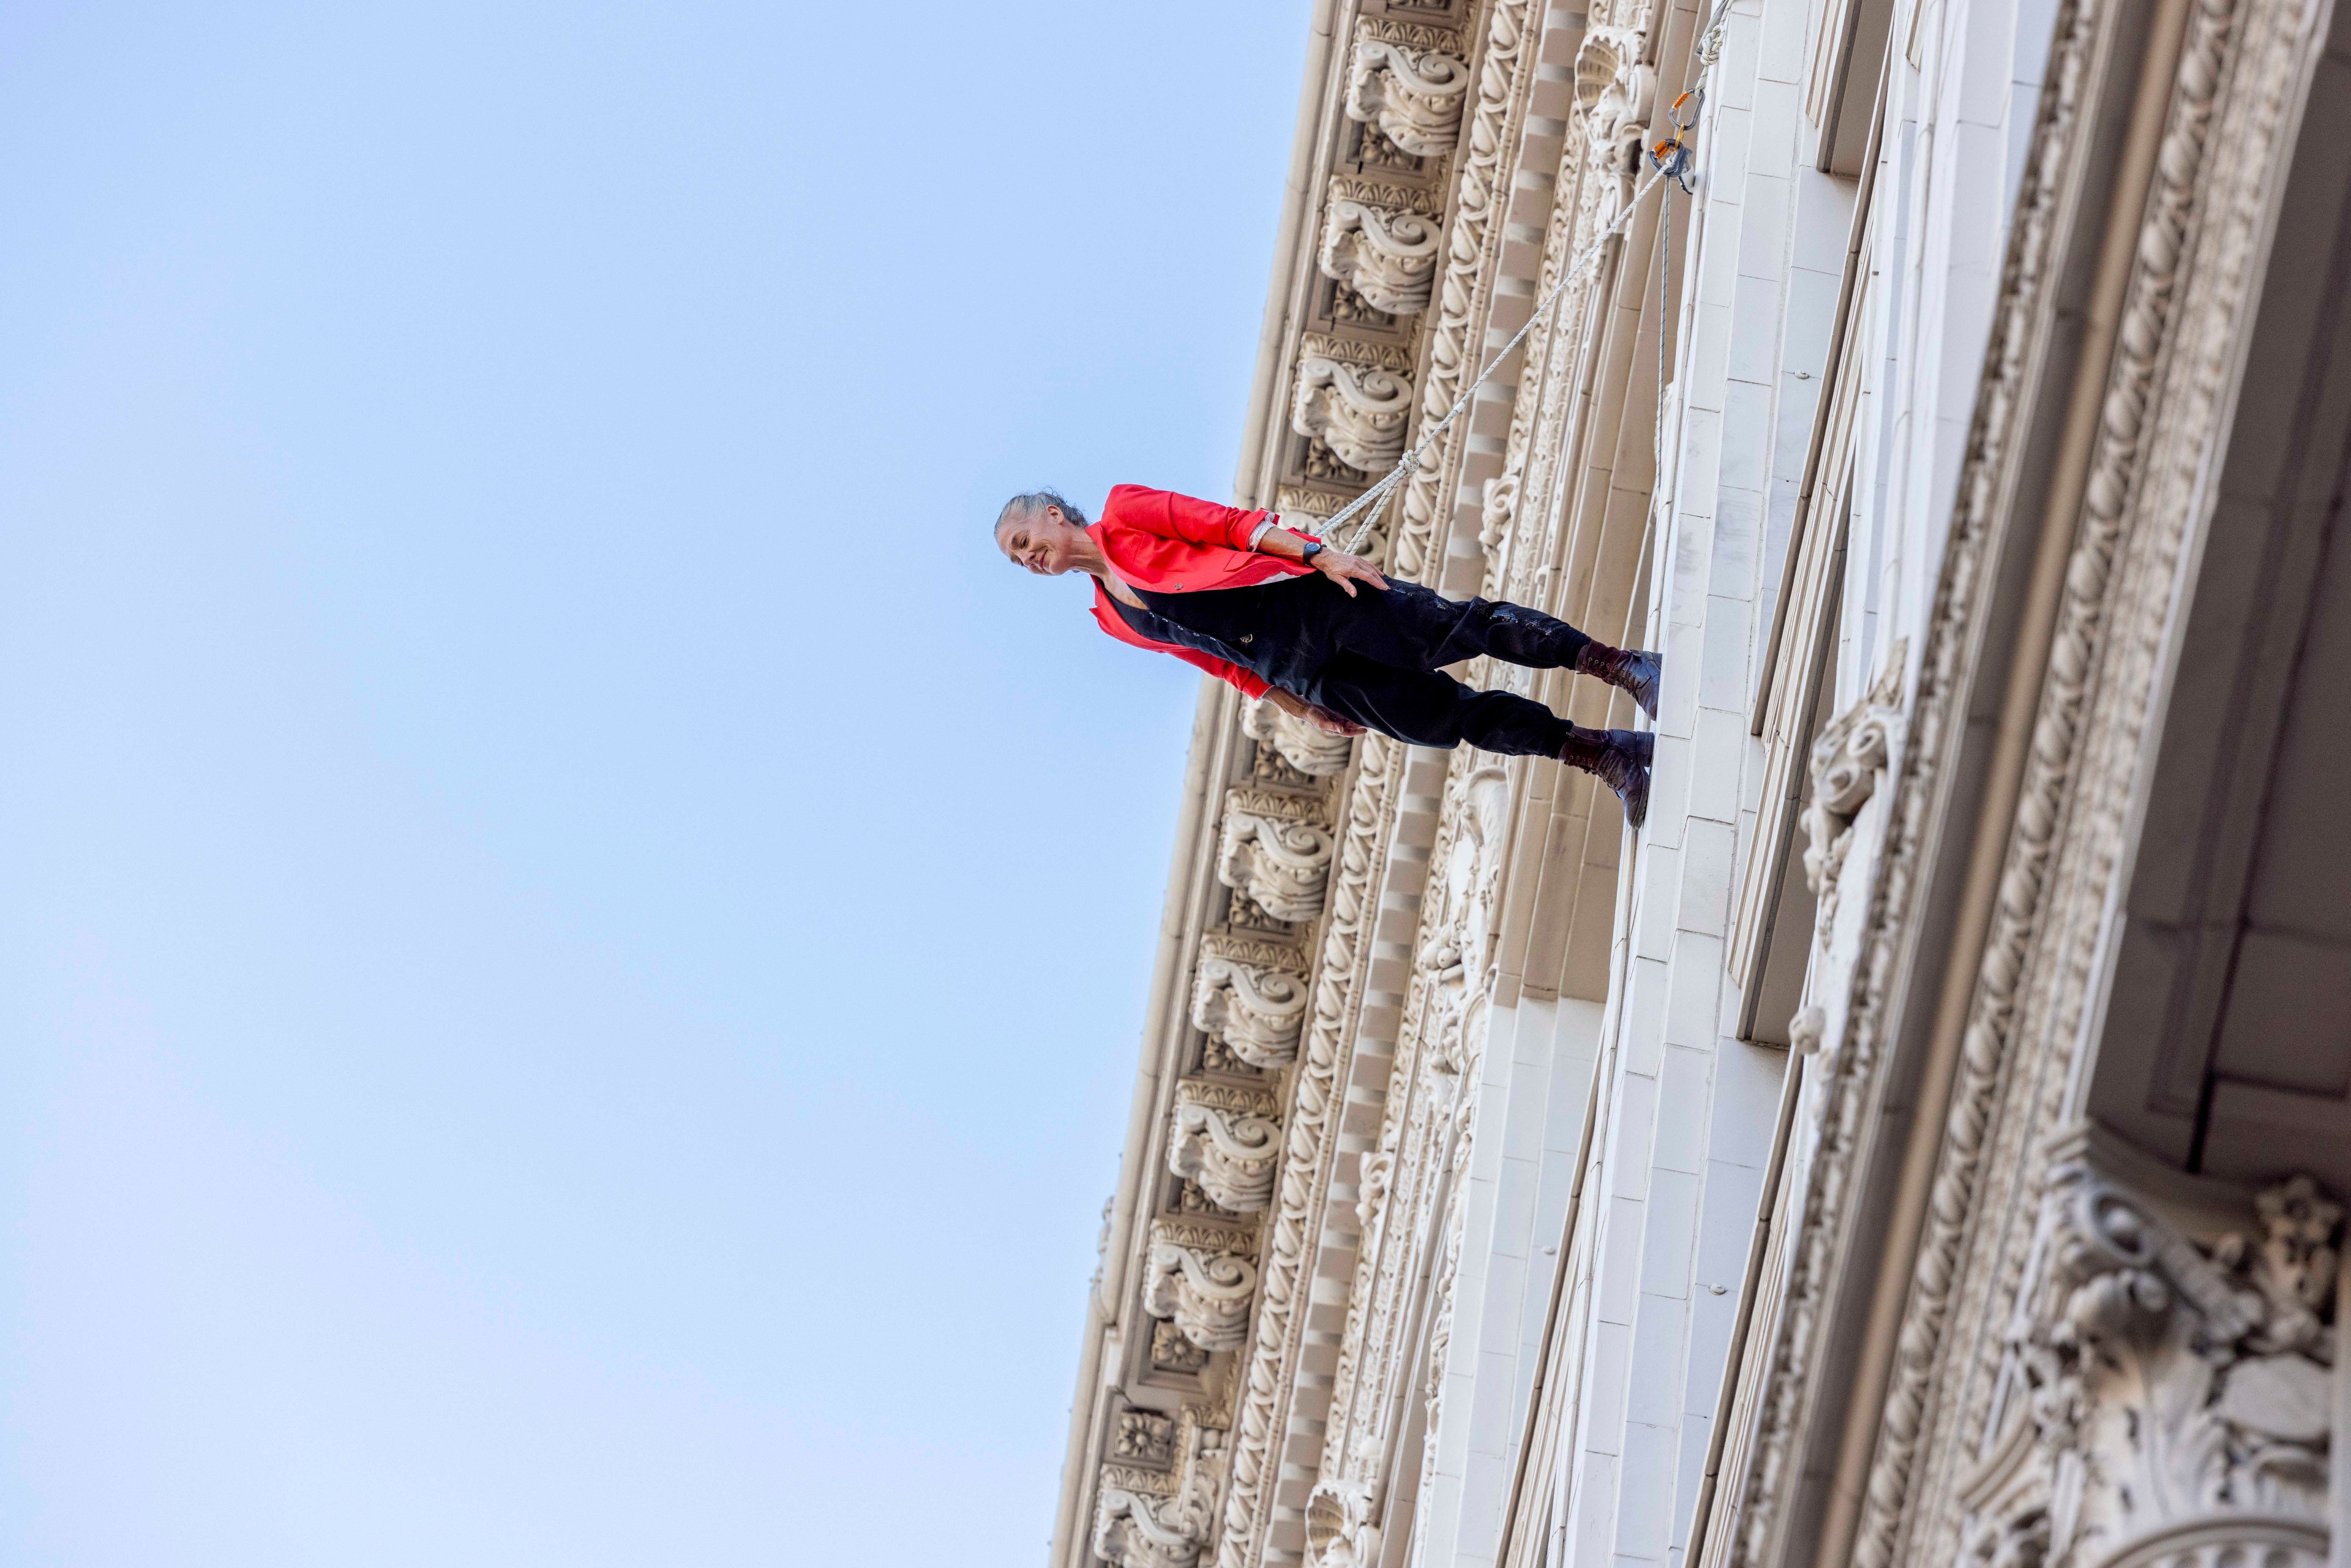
[1387,255]
[1458,923]
[1755,1502]
[2163,422]
[1462,290]
[1171,1352]
[1311,1122]
[1340,1532]
[1283,865]
[1848,758]
[1360,412]
[1614,91]
[1163,1517]
[1414,95]
[1255,1010]
[1387,194]
[2175,1400]
[1135,1531]
[1316,753]
[1317,505]
[1372,1185]
[1205,1292]
[1145,1437]
[1394,357]
[1498,508]
[1228,1140]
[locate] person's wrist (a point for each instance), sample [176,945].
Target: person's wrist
[1313,547]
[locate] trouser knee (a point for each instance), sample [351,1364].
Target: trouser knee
[1522,636]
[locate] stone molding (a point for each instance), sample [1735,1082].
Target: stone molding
[1428,1127]
[1393,357]
[2182,321]
[1460,293]
[1359,410]
[2217,169]
[1267,1369]
[1418,200]
[1590,188]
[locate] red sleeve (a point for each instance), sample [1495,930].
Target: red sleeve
[1185,518]
[1248,682]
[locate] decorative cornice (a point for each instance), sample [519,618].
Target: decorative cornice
[2216,172]
[2118,462]
[2018,318]
[1460,289]
[1282,1278]
[2157,420]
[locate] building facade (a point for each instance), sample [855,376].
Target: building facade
[1924,1141]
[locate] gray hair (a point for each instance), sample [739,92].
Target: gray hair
[1028,502]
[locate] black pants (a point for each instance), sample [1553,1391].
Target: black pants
[1375,658]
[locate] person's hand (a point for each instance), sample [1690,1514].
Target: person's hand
[1347,571]
[1330,723]
[1321,718]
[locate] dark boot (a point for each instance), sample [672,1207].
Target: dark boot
[1629,670]
[1618,759]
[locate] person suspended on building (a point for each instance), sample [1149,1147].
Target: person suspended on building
[1323,634]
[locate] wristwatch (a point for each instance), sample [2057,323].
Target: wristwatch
[1313,548]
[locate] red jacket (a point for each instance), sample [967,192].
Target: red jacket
[1167,543]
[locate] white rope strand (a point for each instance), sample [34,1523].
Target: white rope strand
[1376,496]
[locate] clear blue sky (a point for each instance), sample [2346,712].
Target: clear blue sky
[572,942]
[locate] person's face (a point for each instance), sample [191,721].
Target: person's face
[1046,542]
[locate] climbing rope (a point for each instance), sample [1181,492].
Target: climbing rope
[1670,159]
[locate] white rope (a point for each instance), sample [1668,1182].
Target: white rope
[1409,463]
[1709,49]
